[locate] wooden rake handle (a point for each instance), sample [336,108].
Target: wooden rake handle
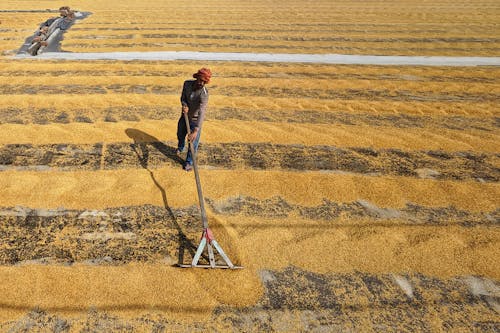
[197,176]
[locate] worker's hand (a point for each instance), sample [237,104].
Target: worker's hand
[185,109]
[192,135]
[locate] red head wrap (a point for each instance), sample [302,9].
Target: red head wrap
[205,74]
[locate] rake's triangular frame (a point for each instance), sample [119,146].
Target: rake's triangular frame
[207,237]
[208,241]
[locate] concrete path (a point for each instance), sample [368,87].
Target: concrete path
[276,57]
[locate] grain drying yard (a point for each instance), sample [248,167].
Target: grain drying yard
[359,198]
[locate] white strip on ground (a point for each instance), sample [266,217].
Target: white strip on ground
[275,57]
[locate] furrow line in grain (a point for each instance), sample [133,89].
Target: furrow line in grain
[40,116]
[402,95]
[464,166]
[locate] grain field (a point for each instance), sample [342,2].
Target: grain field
[358,198]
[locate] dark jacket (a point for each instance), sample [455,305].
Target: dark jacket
[48,22]
[196,101]
[56,22]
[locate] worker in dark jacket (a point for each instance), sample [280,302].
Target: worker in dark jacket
[194,100]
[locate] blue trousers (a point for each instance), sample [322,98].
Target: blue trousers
[181,137]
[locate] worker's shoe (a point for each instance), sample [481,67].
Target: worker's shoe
[188,167]
[178,153]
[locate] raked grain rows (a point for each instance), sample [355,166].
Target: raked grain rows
[381,148]
[358,198]
[364,27]
[380,175]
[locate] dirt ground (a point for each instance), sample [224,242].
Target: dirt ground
[358,198]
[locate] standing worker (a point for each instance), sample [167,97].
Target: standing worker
[194,100]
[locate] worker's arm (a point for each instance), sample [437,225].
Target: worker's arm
[184,97]
[202,109]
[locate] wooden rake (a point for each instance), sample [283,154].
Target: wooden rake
[207,237]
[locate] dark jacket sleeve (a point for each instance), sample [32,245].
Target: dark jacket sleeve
[48,22]
[202,107]
[184,94]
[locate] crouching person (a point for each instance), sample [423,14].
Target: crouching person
[38,41]
[48,30]
[194,100]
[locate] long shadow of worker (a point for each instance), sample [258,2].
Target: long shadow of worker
[143,141]
[141,146]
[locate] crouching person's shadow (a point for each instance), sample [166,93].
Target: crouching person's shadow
[143,142]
